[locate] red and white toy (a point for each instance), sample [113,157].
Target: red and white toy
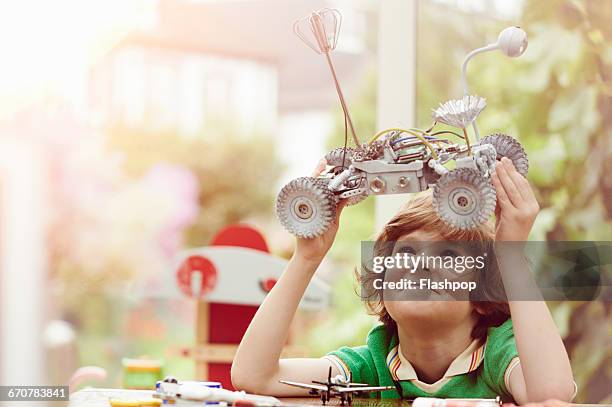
[237,268]
[230,279]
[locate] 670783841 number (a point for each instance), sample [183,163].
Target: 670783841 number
[33,393]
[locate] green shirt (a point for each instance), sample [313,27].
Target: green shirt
[369,364]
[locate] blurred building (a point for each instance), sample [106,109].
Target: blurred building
[206,63]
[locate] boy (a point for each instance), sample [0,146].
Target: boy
[423,348]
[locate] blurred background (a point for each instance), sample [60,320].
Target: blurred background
[133,129]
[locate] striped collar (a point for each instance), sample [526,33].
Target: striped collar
[469,360]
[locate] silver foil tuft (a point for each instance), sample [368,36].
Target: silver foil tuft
[460,112]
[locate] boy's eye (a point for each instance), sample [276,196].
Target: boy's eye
[406,249]
[449,253]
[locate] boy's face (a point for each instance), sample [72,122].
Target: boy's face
[428,303]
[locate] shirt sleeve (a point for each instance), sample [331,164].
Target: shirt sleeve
[357,362]
[501,355]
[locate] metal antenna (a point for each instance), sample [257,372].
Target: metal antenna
[323,27]
[464,83]
[512,41]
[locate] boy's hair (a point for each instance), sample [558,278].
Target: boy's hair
[419,214]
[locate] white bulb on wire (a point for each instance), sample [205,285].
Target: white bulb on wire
[512,41]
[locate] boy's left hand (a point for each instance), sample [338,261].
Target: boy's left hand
[517,207]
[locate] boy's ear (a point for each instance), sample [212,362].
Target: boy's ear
[479,309]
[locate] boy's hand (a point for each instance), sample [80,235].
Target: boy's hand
[314,249]
[517,206]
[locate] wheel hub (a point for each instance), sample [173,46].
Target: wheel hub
[462,201]
[303,208]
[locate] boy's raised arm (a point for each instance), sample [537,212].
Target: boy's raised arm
[257,366]
[544,371]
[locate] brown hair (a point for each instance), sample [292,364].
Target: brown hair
[419,214]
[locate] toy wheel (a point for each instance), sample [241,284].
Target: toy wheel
[335,157]
[354,200]
[306,207]
[507,146]
[464,199]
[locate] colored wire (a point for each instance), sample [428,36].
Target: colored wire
[394,142]
[409,131]
[448,132]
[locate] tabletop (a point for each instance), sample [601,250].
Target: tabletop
[99,398]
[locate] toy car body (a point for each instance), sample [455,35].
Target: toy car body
[463,195]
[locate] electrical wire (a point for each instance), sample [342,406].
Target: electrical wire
[448,132]
[432,139]
[467,142]
[345,141]
[409,131]
[380,133]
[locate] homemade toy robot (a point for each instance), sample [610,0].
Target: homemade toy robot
[410,160]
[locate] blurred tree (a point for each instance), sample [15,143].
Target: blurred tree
[230,172]
[104,228]
[556,99]
[122,206]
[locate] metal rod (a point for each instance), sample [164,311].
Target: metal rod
[342,101]
[469,56]
[464,84]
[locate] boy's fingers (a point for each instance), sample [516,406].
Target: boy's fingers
[529,190]
[502,197]
[319,168]
[517,178]
[523,186]
[508,185]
